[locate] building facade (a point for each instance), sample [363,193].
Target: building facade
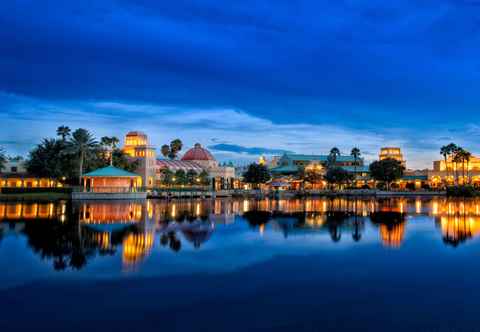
[197,159]
[138,148]
[450,172]
[392,153]
[15,175]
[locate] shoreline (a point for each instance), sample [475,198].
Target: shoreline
[166,194]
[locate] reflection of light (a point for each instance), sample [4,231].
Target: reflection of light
[435,208]
[245,205]
[392,236]
[418,206]
[197,209]
[261,229]
[136,247]
[174,210]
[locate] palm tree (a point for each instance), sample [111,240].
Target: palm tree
[64,132]
[110,143]
[446,151]
[82,144]
[332,157]
[467,155]
[3,159]
[457,159]
[171,151]
[355,153]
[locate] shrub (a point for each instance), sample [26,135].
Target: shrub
[462,191]
[410,186]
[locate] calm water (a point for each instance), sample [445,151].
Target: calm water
[237,265]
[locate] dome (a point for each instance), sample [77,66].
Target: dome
[136,133]
[197,153]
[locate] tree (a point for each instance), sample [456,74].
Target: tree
[387,170]
[355,153]
[204,178]
[180,177]
[338,176]
[83,145]
[468,156]
[48,159]
[192,177]
[256,174]
[109,144]
[3,159]
[63,132]
[312,175]
[167,176]
[333,156]
[171,151]
[446,151]
[457,159]
[462,156]
[121,160]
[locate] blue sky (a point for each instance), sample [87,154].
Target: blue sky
[245,76]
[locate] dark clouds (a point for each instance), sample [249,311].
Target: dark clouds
[368,65]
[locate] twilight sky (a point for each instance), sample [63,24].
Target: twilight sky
[245,77]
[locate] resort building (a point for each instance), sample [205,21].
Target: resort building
[15,175]
[290,165]
[138,148]
[197,159]
[392,153]
[111,180]
[451,172]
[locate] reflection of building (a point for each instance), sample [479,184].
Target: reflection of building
[392,235]
[136,247]
[138,148]
[26,210]
[392,153]
[111,212]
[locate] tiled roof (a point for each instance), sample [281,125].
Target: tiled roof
[175,165]
[285,169]
[359,169]
[110,171]
[415,177]
[197,153]
[321,158]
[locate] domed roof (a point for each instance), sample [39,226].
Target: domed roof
[197,153]
[136,133]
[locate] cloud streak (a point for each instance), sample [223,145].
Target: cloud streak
[237,135]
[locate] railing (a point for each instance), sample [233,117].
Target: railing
[35,190]
[110,189]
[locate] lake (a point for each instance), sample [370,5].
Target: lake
[236,265]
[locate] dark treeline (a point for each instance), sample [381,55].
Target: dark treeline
[71,154]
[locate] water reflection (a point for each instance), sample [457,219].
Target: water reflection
[68,235]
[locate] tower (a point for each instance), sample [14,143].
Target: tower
[137,147]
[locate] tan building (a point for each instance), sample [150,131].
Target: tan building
[392,153]
[200,159]
[15,175]
[450,172]
[137,147]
